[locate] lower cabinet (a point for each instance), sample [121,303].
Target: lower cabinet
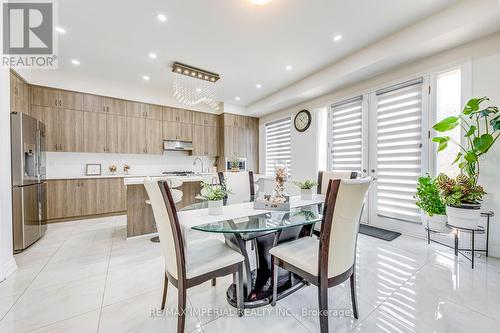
[68,198]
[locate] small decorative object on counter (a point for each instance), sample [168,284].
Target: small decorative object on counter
[126,168]
[215,195]
[281,175]
[93,170]
[433,207]
[235,164]
[306,189]
[112,169]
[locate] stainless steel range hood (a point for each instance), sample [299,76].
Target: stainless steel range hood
[177,145]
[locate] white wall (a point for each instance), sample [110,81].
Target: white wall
[60,165]
[484,54]
[7,262]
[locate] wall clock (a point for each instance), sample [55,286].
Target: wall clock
[302,120]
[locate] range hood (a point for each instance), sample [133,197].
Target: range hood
[177,145]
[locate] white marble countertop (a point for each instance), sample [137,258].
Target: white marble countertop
[138,180]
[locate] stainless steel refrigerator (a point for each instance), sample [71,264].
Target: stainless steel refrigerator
[28,180]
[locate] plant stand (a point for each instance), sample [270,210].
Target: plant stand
[473,232]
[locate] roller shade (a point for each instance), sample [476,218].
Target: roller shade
[345,135]
[278,145]
[399,150]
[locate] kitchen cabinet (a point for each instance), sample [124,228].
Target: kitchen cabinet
[75,198]
[153,137]
[205,140]
[205,119]
[56,98]
[94,103]
[142,110]
[154,111]
[177,131]
[116,134]
[94,125]
[178,115]
[136,134]
[19,95]
[64,128]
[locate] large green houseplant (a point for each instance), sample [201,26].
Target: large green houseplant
[430,202]
[481,128]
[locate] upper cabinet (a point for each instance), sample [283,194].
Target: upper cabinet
[94,103]
[19,95]
[178,115]
[205,119]
[56,98]
[142,110]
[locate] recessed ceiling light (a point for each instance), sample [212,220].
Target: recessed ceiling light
[237,98]
[337,38]
[146,78]
[75,62]
[61,30]
[260,2]
[152,55]
[258,86]
[161,17]
[289,67]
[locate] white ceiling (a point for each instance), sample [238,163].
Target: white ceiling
[245,44]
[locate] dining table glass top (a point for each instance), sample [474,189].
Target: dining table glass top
[265,222]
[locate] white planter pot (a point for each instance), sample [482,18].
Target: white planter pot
[436,222]
[215,207]
[463,217]
[306,194]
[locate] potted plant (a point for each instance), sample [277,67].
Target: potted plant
[306,189]
[235,164]
[430,202]
[481,128]
[215,195]
[462,198]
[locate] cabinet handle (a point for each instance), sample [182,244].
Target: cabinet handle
[103,109]
[60,103]
[55,101]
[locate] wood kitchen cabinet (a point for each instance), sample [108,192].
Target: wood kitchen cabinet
[142,110]
[205,119]
[76,198]
[144,136]
[94,125]
[19,95]
[64,128]
[94,103]
[116,134]
[56,98]
[178,115]
[205,140]
[153,137]
[177,131]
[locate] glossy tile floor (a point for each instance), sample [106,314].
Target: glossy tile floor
[85,277]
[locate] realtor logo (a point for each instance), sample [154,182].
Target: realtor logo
[28,35]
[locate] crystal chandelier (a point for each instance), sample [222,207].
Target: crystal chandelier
[193,86]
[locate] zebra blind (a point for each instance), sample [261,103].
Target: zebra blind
[278,145]
[399,146]
[345,135]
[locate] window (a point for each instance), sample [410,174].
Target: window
[278,145]
[345,135]
[448,103]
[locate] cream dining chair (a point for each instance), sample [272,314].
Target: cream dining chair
[240,184]
[206,259]
[331,260]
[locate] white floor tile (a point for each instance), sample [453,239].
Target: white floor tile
[85,323]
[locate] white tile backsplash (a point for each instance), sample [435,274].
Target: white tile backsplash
[73,164]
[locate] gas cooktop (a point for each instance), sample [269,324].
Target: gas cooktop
[178,173]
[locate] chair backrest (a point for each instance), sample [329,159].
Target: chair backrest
[339,230]
[240,184]
[167,223]
[325,176]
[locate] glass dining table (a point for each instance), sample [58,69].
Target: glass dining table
[253,236]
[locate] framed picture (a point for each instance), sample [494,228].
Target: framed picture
[93,170]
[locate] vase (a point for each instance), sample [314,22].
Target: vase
[436,222]
[465,216]
[306,194]
[215,207]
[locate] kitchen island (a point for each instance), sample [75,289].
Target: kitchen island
[140,219]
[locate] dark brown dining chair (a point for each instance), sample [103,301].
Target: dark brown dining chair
[331,260]
[207,259]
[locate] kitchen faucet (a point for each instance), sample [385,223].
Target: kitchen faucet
[199,159]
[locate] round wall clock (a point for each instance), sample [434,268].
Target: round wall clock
[302,120]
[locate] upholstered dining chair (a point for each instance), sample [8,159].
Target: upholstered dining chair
[331,260]
[205,259]
[240,184]
[324,178]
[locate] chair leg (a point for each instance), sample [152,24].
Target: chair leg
[181,308]
[274,281]
[323,308]
[239,290]
[354,297]
[165,289]
[214,282]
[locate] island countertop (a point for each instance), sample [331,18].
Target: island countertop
[138,180]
